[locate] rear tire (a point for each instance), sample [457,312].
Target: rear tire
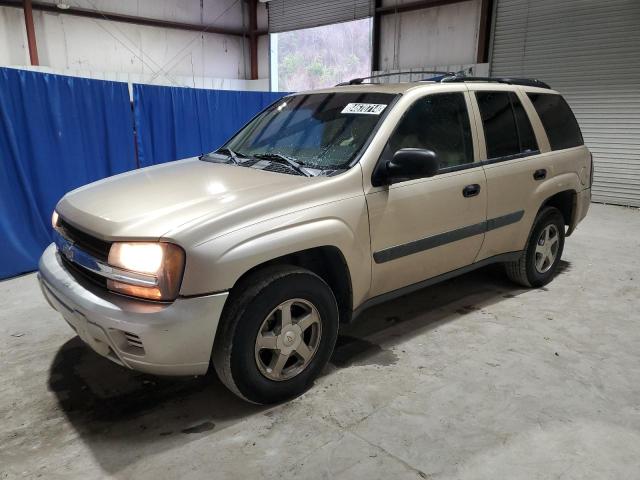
[277,333]
[539,262]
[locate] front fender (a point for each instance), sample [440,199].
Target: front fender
[217,264]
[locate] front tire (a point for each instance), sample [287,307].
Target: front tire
[538,264]
[276,335]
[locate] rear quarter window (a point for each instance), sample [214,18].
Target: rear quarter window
[557,119]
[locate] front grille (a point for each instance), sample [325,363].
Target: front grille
[84,241]
[81,273]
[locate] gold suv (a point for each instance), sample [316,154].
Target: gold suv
[326,203]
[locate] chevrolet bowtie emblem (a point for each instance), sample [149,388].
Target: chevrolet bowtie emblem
[67,251]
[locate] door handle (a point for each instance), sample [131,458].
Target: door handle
[471,190]
[540,174]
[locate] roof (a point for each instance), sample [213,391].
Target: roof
[440,78]
[395,88]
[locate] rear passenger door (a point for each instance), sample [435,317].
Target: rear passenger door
[513,164]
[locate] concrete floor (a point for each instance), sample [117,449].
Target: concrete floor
[473,378]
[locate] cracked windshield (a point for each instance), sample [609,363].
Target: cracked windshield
[318,131]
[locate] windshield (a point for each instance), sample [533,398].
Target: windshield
[319,130]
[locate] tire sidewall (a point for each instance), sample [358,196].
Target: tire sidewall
[547,217]
[251,383]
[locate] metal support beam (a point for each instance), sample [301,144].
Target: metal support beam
[253,38]
[484,32]
[31,32]
[117,17]
[375,38]
[410,6]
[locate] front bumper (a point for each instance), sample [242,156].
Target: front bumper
[156,338]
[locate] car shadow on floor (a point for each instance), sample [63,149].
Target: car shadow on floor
[124,415]
[412,314]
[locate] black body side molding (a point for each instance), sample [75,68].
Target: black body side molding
[393,253]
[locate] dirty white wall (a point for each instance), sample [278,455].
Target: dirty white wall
[102,48]
[442,35]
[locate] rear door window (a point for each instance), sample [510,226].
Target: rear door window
[507,129]
[557,119]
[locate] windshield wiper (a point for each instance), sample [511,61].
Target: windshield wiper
[232,155]
[278,157]
[227,152]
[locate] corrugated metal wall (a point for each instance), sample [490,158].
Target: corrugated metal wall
[287,15]
[590,51]
[446,33]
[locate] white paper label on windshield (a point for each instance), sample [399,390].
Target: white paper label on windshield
[364,108]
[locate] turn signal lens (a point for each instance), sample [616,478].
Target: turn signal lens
[54,219]
[161,262]
[150,293]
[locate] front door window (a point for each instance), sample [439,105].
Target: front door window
[438,122]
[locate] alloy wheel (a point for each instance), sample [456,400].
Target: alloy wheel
[547,248]
[287,339]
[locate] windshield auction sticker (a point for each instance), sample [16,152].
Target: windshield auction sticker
[364,108]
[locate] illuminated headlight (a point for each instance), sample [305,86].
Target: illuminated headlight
[54,219]
[155,269]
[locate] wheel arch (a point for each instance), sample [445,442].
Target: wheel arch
[328,247]
[326,261]
[566,202]
[559,191]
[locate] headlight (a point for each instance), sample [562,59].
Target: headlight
[54,219]
[156,269]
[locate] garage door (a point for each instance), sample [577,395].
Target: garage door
[589,51]
[287,15]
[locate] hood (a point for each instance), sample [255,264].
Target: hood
[149,203]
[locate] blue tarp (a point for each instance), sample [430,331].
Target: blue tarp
[56,133]
[175,122]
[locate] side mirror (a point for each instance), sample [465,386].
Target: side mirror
[411,163]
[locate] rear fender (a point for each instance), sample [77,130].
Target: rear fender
[545,190]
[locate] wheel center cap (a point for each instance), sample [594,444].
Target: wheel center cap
[289,338]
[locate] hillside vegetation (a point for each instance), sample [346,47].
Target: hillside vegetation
[323,56]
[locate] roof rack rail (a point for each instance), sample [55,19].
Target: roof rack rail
[527,82]
[360,80]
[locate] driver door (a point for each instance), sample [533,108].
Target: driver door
[426,227]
